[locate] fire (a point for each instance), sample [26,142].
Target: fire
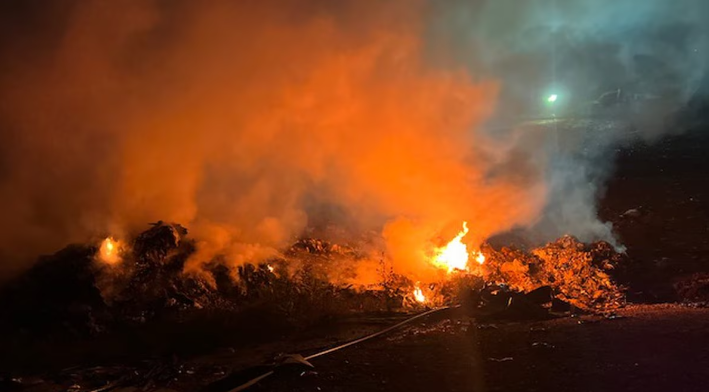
[480,258]
[454,256]
[418,295]
[109,251]
[270,268]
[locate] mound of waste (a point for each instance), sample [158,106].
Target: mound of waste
[577,273]
[75,291]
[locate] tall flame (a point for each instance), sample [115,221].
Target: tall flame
[454,256]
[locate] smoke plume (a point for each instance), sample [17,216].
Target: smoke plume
[250,121]
[241,120]
[652,54]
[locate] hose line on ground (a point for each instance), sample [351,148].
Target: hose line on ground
[340,347]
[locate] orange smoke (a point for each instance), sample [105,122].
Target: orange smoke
[235,118]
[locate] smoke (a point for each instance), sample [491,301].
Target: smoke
[250,121]
[247,122]
[650,54]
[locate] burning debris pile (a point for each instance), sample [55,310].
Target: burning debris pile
[118,289]
[88,290]
[94,288]
[577,273]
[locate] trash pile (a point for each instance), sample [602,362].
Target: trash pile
[72,289]
[150,276]
[75,291]
[573,272]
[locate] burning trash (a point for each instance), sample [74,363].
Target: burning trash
[454,256]
[123,283]
[418,295]
[110,251]
[578,273]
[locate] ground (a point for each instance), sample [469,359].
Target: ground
[641,348]
[644,348]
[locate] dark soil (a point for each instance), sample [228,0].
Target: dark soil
[645,348]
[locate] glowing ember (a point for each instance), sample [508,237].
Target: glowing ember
[270,267]
[418,295]
[480,258]
[454,256]
[108,252]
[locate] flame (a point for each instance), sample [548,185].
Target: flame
[109,251]
[480,258]
[418,295]
[454,256]
[270,267]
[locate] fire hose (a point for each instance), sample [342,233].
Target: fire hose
[255,380]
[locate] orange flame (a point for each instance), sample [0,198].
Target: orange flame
[418,295]
[480,258]
[109,251]
[454,256]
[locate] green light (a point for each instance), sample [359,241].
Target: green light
[552,98]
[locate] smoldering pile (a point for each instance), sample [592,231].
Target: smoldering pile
[72,289]
[576,273]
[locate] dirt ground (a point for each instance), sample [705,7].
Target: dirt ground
[641,348]
[645,348]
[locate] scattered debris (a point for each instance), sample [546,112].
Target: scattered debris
[632,213]
[505,359]
[542,345]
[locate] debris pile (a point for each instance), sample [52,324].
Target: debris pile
[150,280]
[577,273]
[156,244]
[694,289]
[73,288]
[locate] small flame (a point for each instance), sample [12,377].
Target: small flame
[270,267]
[109,251]
[418,295]
[480,258]
[454,256]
